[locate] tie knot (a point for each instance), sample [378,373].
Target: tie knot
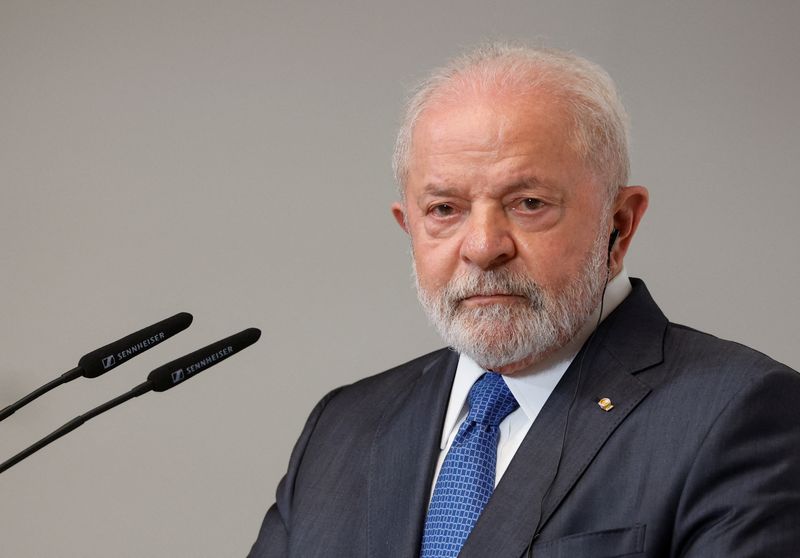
[490,400]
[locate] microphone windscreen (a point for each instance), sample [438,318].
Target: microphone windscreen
[112,355]
[183,368]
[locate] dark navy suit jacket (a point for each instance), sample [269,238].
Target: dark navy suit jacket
[700,457]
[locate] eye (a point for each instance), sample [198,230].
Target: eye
[529,204]
[442,210]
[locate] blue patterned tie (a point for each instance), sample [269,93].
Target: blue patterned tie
[466,479]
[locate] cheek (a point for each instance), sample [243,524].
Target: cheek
[553,261]
[436,262]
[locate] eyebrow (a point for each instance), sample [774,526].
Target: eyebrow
[524,184]
[445,190]
[440,190]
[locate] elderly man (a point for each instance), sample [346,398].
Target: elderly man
[570,418]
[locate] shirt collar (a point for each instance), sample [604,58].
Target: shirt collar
[531,387]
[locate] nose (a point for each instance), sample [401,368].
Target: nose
[488,241]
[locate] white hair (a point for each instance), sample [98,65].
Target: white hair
[587,93]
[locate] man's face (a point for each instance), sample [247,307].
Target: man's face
[505,224]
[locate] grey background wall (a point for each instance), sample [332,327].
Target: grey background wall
[232,160]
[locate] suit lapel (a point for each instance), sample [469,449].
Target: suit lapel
[590,426]
[403,460]
[628,341]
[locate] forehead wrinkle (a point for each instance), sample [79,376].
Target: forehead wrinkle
[442,141]
[436,123]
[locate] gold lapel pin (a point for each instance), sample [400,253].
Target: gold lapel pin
[605,404]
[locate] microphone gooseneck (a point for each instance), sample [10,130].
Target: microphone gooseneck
[73,424]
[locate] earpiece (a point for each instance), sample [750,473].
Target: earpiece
[611,240]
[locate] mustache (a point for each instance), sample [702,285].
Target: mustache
[493,282]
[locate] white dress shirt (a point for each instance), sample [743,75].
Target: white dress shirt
[531,387]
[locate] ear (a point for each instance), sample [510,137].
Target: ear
[399,212]
[629,208]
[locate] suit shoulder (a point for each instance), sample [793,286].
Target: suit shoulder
[689,348]
[377,390]
[398,376]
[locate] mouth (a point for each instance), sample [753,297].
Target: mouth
[494,298]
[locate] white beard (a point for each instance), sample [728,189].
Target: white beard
[496,335]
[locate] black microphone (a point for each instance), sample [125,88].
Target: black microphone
[181,369]
[161,379]
[108,357]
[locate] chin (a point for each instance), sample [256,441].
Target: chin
[497,347]
[506,345]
